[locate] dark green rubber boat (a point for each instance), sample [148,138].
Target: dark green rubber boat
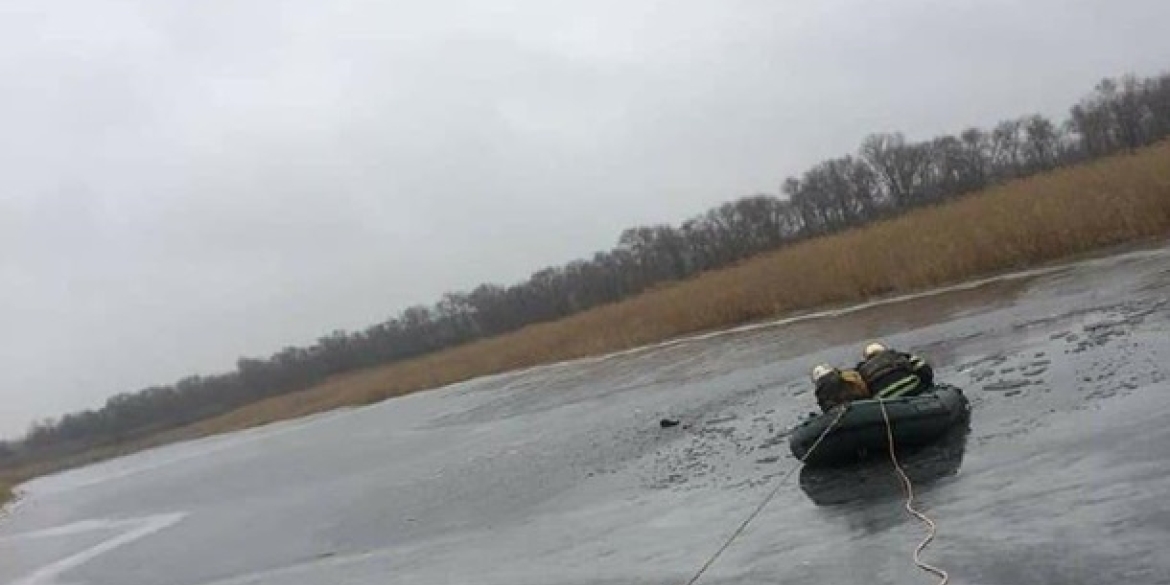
[861,431]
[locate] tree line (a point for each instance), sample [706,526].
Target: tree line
[887,175]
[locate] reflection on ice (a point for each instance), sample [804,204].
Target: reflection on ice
[875,479]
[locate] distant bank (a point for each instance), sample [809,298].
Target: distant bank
[1120,199]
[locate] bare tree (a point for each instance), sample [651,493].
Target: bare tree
[901,168]
[1042,143]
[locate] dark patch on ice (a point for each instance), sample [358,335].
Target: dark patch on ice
[1006,385]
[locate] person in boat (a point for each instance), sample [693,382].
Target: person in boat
[892,374]
[835,387]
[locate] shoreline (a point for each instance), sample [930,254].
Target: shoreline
[10,495]
[1030,227]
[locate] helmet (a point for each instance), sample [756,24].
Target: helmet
[873,349]
[820,371]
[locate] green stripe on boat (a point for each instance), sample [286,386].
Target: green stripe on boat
[900,387]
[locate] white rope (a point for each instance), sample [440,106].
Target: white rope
[909,489]
[768,498]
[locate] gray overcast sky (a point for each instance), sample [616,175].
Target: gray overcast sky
[182,183]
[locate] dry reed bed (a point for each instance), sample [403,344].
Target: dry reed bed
[1120,199]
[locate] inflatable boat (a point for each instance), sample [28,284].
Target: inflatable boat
[861,430]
